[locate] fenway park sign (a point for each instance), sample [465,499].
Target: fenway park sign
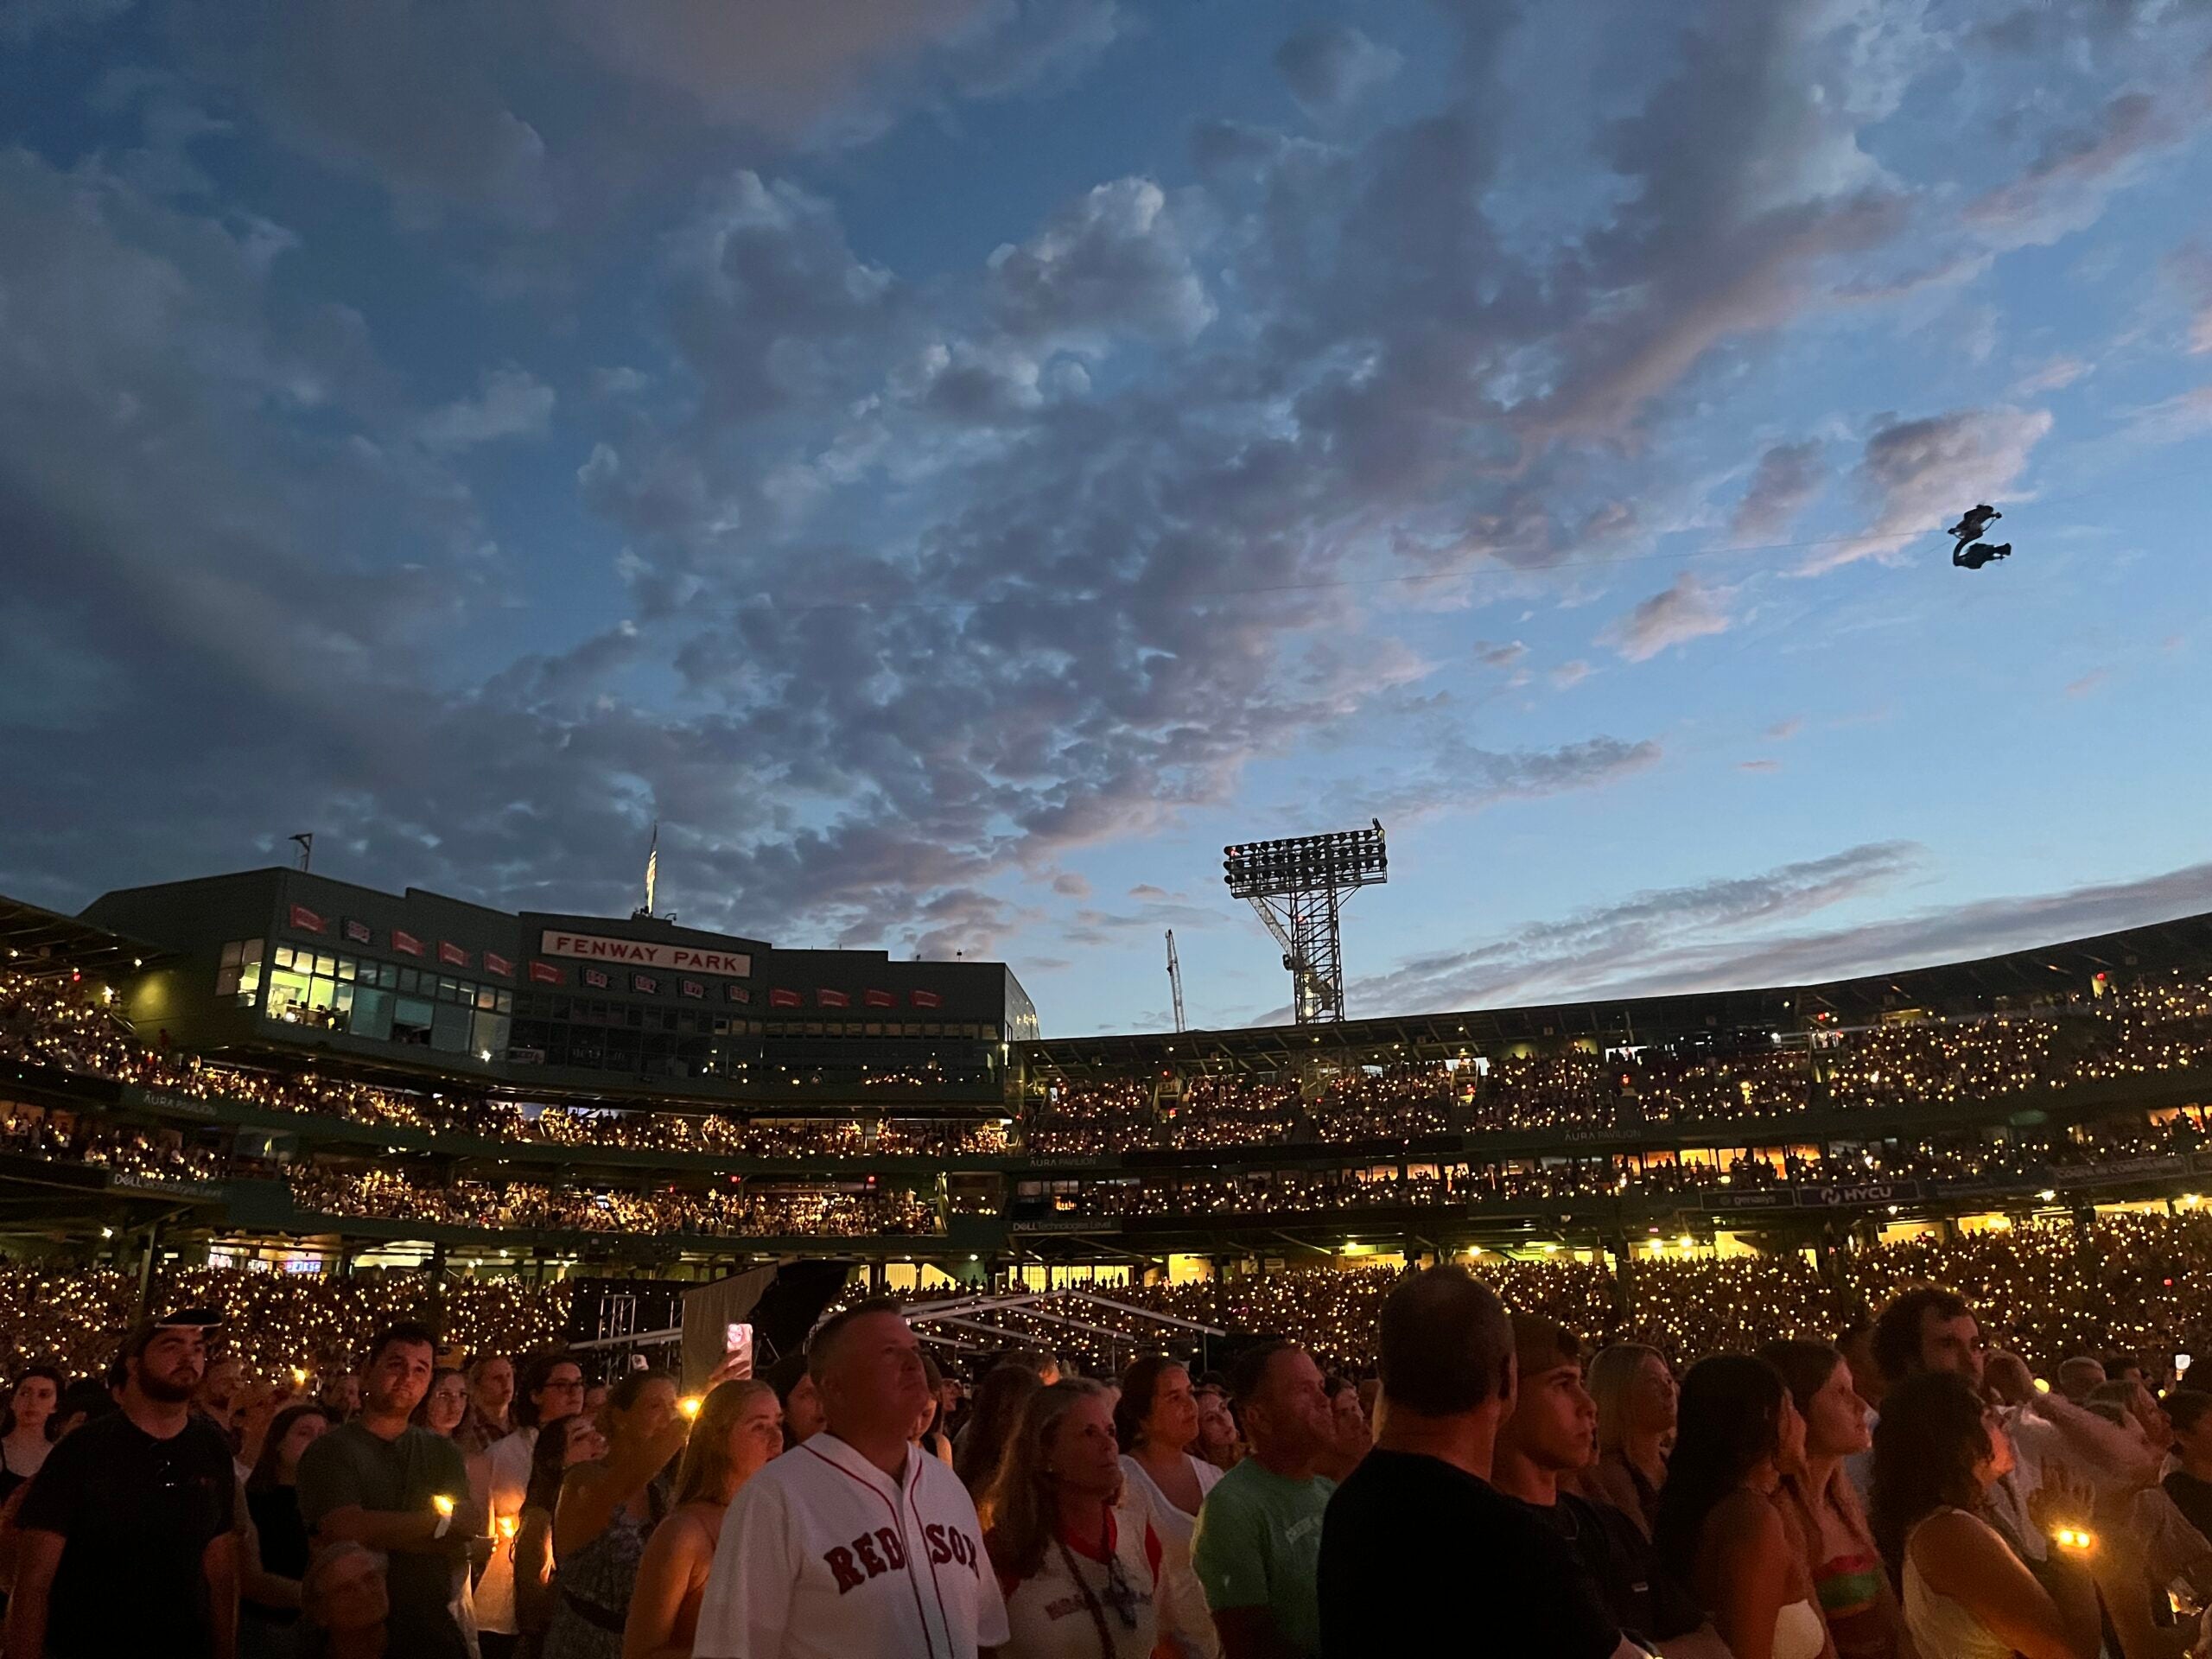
[599,947]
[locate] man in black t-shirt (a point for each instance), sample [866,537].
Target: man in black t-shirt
[127,1545]
[1419,1552]
[2189,1484]
[1551,1434]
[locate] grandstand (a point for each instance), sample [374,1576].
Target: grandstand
[241,1074]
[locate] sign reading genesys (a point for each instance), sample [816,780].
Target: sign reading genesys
[597,947]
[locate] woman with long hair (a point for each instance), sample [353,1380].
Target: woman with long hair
[1000,1398]
[1216,1442]
[1967,1594]
[1157,1417]
[1636,1396]
[608,1511]
[1718,1529]
[445,1404]
[562,1444]
[272,1499]
[929,1431]
[1864,1618]
[1084,1570]
[739,1426]
[26,1435]
[801,1401]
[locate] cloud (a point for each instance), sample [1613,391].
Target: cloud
[534,115]
[2189,267]
[1726,934]
[1783,730]
[958,922]
[1509,654]
[510,404]
[2087,683]
[1571,674]
[2056,375]
[1638,941]
[1759,765]
[2172,420]
[1676,615]
[1330,67]
[2063,190]
[1788,477]
[21,20]
[913,604]
[1919,474]
[1458,776]
[1112,262]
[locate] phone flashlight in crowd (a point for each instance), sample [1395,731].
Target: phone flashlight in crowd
[689,1405]
[442,1504]
[2073,1538]
[2181,1362]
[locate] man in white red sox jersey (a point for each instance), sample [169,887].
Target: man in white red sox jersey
[852,1545]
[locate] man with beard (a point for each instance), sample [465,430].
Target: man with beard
[127,1541]
[401,1490]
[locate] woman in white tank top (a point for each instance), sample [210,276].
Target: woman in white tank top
[1155,1419]
[1718,1527]
[1967,1594]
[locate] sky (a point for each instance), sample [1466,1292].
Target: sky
[956,466]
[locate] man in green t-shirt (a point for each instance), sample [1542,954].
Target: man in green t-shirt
[404,1490]
[1258,1538]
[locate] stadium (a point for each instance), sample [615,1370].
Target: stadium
[307,1102]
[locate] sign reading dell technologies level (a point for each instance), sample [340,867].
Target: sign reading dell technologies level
[599,947]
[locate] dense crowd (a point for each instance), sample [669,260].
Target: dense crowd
[273,1321]
[2158,1024]
[1754,1458]
[2133,1029]
[2015,1160]
[148,1153]
[74,1028]
[747,1210]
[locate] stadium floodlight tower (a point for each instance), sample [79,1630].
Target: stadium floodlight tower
[1298,887]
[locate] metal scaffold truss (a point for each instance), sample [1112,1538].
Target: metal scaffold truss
[1298,887]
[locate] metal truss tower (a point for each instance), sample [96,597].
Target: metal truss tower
[1298,888]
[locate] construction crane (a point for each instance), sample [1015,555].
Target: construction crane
[1175,978]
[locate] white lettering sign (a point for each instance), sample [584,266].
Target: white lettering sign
[597,947]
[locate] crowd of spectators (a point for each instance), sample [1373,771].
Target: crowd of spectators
[74,1028]
[1750,1455]
[745,1210]
[2011,1157]
[2157,1023]
[276,1321]
[2131,1029]
[147,1153]
[2137,1281]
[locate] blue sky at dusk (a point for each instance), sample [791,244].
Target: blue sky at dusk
[955,465]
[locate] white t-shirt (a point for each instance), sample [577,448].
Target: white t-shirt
[824,1556]
[1050,1616]
[509,1462]
[1174,1525]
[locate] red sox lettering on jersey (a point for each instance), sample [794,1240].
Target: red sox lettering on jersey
[872,1554]
[824,1555]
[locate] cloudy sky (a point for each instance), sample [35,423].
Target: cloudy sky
[957,464]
